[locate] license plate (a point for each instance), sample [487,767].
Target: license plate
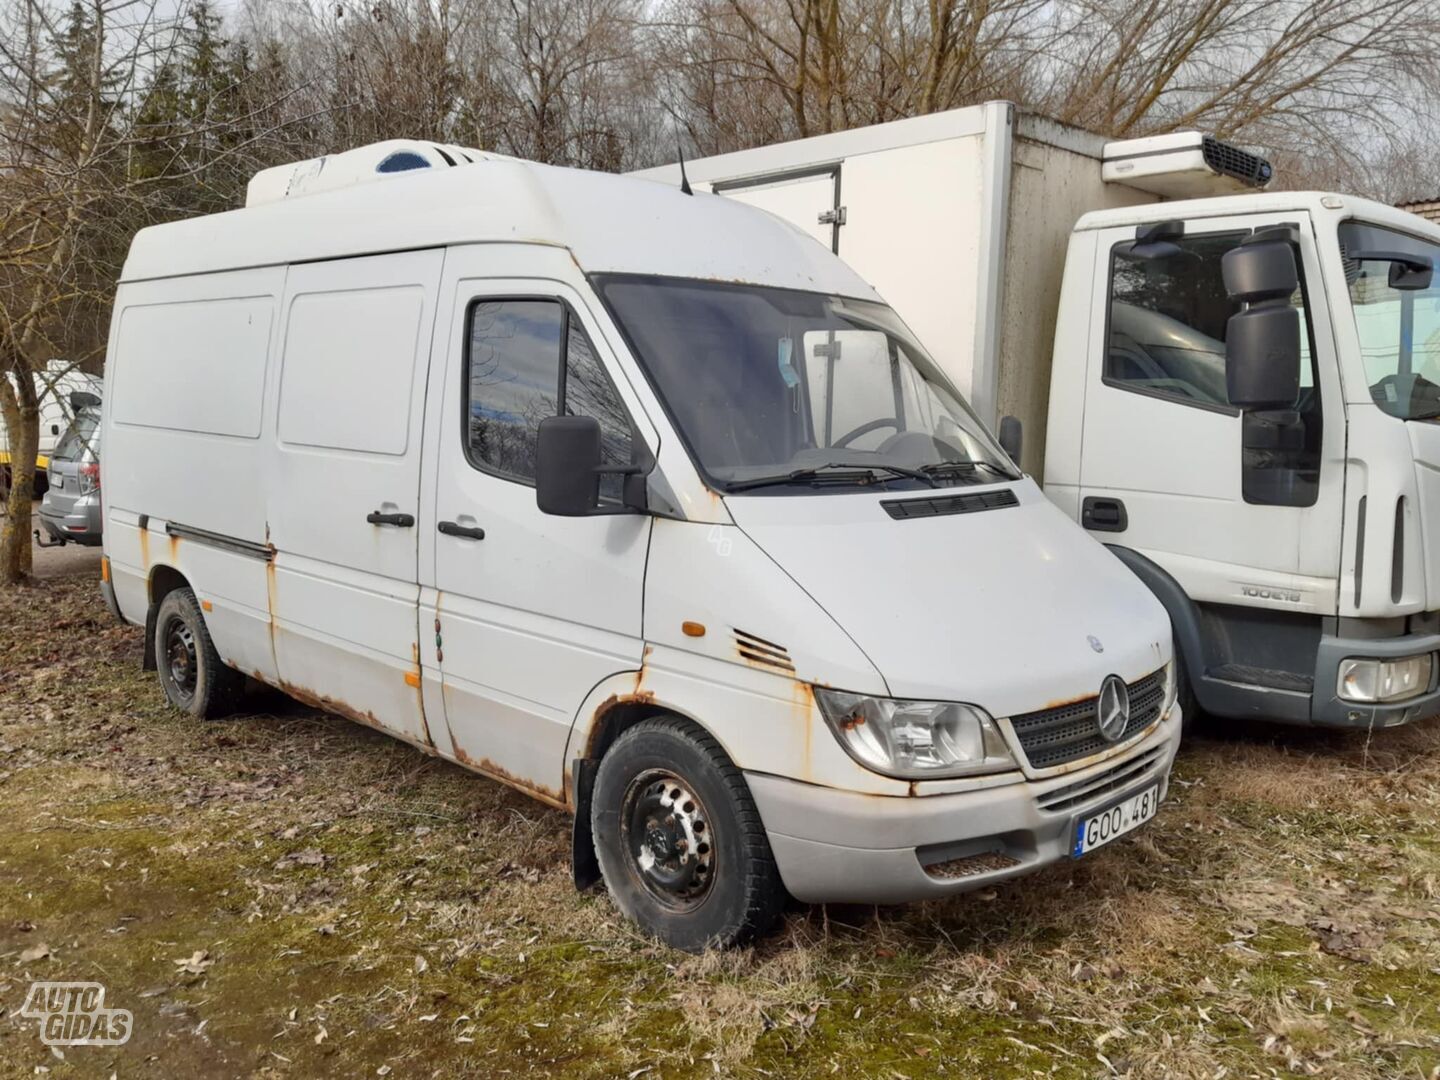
[1130,813]
[57,482]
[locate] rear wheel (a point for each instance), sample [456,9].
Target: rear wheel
[679,840]
[192,674]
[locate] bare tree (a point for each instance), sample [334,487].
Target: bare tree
[115,118]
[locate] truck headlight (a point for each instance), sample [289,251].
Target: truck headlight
[915,740]
[1368,680]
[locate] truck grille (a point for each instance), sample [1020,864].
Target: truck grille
[1056,736]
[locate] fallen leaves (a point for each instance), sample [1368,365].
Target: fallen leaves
[197,963]
[308,857]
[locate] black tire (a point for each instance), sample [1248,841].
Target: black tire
[713,824]
[193,676]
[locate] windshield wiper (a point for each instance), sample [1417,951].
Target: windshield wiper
[951,468]
[854,473]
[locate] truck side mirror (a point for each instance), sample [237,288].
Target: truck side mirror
[1408,273]
[567,465]
[1012,437]
[1262,342]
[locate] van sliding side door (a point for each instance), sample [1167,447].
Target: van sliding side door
[344,485]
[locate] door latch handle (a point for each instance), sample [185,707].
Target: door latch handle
[465,532]
[1103,515]
[403,521]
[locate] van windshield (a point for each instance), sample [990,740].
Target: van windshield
[776,389]
[1399,329]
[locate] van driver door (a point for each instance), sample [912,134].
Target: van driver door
[530,610]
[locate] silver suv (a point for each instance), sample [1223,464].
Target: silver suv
[70,511]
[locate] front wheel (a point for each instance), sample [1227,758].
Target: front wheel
[192,674]
[679,840]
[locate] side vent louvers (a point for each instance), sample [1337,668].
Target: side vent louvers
[764,653]
[970,503]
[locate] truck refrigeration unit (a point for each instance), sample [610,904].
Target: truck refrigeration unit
[1237,391]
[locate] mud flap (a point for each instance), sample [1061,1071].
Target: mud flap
[584,866]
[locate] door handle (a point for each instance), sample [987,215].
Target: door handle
[403,521]
[465,532]
[1103,515]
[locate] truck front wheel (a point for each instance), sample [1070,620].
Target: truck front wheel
[679,841]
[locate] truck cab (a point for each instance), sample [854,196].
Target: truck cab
[1292,539]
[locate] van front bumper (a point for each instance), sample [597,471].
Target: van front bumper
[835,846]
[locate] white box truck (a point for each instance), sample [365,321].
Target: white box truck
[473,451]
[1236,390]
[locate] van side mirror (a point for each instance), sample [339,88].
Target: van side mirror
[1012,437]
[1262,342]
[83,399]
[567,465]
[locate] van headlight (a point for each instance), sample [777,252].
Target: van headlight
[915,740]
[1172,688]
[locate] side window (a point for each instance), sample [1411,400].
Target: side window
[527,360]
[1168,310]
[1167,321]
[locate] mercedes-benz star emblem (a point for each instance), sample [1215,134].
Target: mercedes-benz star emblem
[1112,709]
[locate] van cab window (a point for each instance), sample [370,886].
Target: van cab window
[529,359]
[776,390]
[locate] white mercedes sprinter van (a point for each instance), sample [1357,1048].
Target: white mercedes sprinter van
[639,501]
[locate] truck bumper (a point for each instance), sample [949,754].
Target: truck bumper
[1327,709]
[835,846]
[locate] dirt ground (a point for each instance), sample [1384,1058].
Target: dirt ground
[287,894]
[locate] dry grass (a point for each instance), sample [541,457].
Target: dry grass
[363,908]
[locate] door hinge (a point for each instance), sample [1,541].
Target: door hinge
[833,217]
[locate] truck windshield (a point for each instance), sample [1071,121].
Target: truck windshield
[1399,329]
[776,389]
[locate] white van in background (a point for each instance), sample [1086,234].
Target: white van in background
[643,503]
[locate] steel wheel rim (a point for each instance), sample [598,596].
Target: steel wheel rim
[666,840]
[183,663]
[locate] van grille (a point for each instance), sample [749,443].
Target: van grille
[765,653]
[1068,733]
[1105,783]
[951,504]
[1227,160]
